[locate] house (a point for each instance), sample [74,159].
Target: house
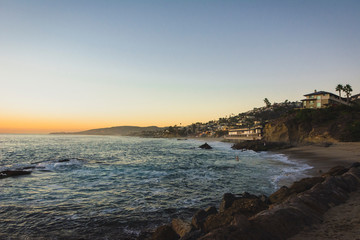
[322,99]
[252,133]
[355,98]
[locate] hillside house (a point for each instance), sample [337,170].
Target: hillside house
[355,98]
[322,99]
[252,133]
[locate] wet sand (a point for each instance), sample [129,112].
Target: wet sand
[322,157]
[342,221]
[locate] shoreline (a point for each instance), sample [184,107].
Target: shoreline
[322,158]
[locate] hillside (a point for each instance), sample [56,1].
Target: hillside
[340,123]
[120,130]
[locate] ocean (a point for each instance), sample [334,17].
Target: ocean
[114,187]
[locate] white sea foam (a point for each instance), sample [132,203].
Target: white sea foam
[288,174]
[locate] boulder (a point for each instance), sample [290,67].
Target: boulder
[216,221]
[303,204]
[229,198]
[193,235]
[165,233]
[205,146]
[64,160]
[305,184]
[200,217]
[279,195]
[227,201]
[181,227]
[246,205]
[13,173]
[355,165]
[297,187]
[260,145]
[211,210]
[336,171]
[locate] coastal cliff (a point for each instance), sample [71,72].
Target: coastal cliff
[335,124]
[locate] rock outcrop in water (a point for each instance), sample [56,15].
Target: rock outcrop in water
[13,173]
[282,215]
[260,145]
[205,146]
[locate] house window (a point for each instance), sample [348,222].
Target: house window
[318,105]
[318,97]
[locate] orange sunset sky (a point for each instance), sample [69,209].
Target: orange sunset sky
[78,65]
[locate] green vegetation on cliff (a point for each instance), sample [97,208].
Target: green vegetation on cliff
[338,123]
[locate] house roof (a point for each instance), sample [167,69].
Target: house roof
[355,96]
[319,93]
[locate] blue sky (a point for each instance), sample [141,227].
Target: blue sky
[85,64]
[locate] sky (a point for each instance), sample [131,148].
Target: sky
[77,65]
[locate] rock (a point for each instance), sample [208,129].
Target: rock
[200,217]
[194,235]
[205,146]
[13,173]
[211,210]
[246,205]
[29,167]
[305,184]
[64,160]
[217,221]
[335,171]
[181,227]
[236,233]
[355,165]
[240,221]
[279,195]
[227,200]
[303,204]
[165,233]
[260,145]
[264,199]
[297,187]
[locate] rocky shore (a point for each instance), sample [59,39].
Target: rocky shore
[260,145]
[278,216]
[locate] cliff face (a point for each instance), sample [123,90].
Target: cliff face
[322,125]
[292,132]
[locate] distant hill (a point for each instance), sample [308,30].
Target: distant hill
[120,130]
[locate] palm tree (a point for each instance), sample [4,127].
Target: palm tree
[347,89]
[339,88]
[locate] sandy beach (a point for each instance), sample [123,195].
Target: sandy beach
[342,221]
[322,157]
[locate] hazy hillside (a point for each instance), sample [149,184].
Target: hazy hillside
[121,130]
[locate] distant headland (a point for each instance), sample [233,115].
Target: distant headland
[118,130]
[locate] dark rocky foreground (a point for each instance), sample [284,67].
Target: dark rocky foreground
[279,216]
[260,145]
